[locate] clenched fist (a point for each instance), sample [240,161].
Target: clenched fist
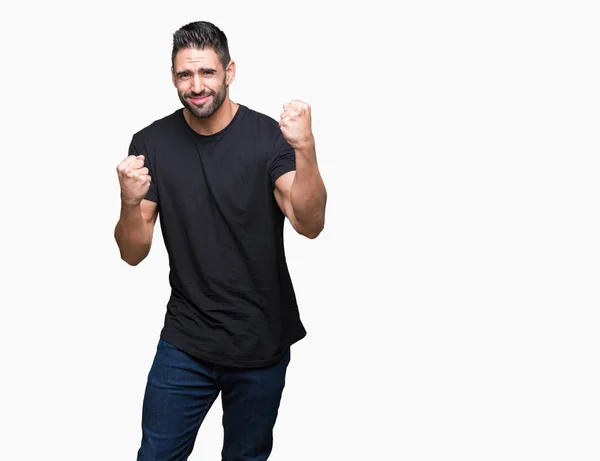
[134,179]
[295,124]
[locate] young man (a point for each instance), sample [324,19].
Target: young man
[223,178]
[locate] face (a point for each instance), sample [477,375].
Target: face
[201,81]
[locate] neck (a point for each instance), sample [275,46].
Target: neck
[216,122]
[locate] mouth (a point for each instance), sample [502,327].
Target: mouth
[199,100]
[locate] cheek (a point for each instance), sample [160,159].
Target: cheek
[215,87]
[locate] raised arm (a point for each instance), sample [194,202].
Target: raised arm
[134,230]
[301,194]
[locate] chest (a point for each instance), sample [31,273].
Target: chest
[231,178]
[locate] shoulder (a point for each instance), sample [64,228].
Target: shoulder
[264,127]
[260,119]
[159,128]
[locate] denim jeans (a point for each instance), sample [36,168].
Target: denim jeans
[181,390]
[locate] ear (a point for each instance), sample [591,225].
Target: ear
[230,73]
[173,77]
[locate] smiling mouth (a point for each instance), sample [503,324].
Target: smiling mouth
[199,100]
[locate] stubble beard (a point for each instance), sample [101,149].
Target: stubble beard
[206,110]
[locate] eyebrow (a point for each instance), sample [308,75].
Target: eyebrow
[201,69]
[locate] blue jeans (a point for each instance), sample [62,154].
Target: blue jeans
[181,390]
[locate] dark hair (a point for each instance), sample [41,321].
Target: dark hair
[201,35]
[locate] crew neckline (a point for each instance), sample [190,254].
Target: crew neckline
[238,114]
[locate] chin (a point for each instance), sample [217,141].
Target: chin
[198,111]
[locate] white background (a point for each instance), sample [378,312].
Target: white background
[452,301]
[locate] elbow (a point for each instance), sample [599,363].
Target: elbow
[132,253]
[132,261]
[134,256]
[312,235]
[312,232]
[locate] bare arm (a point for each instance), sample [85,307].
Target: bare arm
[135,227]
[134,230]
[301,194]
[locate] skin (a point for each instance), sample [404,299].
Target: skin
[202,85]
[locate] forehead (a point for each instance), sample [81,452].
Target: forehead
[193,57]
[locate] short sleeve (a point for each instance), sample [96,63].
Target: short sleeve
[137,147]
[283,159]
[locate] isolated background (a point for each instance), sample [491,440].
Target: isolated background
[452,301]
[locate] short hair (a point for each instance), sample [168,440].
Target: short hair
[201,35]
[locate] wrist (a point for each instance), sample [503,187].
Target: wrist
[128,205]
[306,148]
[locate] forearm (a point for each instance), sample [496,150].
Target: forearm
[308,194]
[132,234]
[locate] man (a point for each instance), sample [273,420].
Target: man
[223,178]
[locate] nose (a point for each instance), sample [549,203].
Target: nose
[197,85]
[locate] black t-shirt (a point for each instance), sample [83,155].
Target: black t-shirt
[232,301]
